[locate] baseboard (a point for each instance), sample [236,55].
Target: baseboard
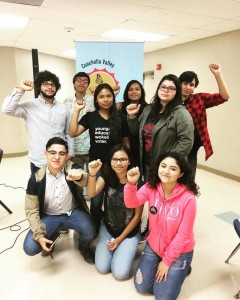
[15,154]
[218,172]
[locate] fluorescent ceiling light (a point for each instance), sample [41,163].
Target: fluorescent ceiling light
[134,35]
[10,21]
[71,53]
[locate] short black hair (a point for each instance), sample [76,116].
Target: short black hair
[81,74]
[45,76]
[56,140]
[188,76]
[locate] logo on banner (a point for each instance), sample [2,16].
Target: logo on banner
[98,76]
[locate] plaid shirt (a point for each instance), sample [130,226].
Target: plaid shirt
[197,105]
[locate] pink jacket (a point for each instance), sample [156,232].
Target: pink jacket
[170,222]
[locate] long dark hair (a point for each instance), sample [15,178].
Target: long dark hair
[114,115]
[110,176]
[127,100]
[186,179]
[156,105]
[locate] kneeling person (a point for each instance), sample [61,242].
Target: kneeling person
[52,203]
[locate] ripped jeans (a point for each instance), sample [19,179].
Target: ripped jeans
[144,278]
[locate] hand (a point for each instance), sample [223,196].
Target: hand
[215,69]
[79,105]
[74,174]
[26,85]
[162,272]
[116,89]
[133,109]
[133,175]
[43,242]
[113,244]
[94,166]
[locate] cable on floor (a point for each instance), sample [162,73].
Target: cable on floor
[12,228]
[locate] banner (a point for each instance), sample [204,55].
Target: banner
[115,63]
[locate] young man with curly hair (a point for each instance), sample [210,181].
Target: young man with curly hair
[44,116]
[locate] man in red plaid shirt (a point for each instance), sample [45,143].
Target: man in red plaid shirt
[197,104]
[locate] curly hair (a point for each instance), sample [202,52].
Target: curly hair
[110,176]
[186,179]
[45,76]
[156,105]
[115,117]
[126,101]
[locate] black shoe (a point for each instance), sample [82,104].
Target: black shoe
[189,271]
[89,256]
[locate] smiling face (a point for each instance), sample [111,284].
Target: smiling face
[166,92]
[169,171]
[187,88]
[56,156]
[120,162]
[134,92]
[81,84]
[105,99]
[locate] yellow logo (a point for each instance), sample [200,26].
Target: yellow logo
[98,76]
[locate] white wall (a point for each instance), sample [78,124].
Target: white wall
[223,121]
[16,65]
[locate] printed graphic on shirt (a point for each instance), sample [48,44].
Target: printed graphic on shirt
[102,135]
[117,215]
[147,135]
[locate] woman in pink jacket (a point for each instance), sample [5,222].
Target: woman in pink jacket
[168,253]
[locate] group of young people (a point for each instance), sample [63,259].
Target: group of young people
[140,153]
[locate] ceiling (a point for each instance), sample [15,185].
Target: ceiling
[182,20]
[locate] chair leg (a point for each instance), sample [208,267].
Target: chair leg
[237,296]
[5,206]
[234,251]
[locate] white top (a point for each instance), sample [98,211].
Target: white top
[43,121]
[58,197]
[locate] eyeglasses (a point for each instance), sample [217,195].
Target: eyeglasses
[170,89]
[47,84]
[54,153]
[79,80]
[122,160]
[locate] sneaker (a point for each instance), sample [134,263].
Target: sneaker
[189,271]
[89,256]
[63,231]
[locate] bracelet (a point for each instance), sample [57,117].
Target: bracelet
[132,184]
[92,175]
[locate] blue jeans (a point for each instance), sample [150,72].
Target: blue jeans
[118,261]
[79,220]
[144,278]
[96,206]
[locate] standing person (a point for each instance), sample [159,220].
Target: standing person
[52,203]
[45,117]
[120,229]
[134,94]
[164,124]
[81,82]
[107,127]
[197,104]
[168,252]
